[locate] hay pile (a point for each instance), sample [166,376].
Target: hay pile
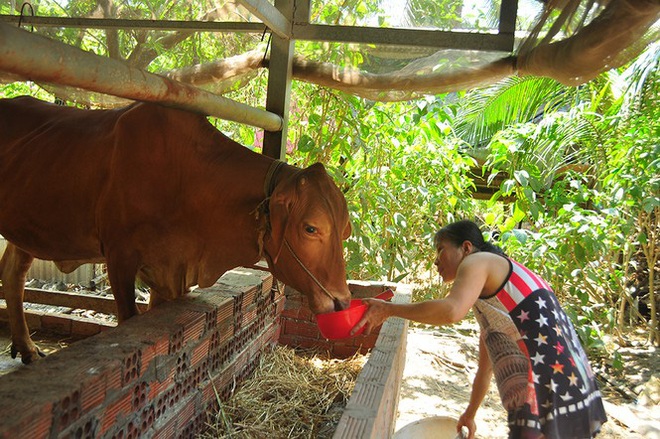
[289,396]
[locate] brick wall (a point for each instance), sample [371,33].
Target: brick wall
[153,376]
[299,329]
[156,376]
[372,408]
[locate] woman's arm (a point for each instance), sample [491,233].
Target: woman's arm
[466,289]
[479,389]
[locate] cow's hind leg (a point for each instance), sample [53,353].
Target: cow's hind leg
[121,273]
[14,266]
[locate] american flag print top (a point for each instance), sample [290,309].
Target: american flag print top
[541,370]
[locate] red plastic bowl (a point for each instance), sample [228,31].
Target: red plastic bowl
[338,324]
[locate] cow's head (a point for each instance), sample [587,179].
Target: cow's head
[308,222]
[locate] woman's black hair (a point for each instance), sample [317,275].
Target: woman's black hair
[465,230]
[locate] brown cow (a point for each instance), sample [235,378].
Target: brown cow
[159,194]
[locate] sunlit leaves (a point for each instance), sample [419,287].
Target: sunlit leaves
[306,144]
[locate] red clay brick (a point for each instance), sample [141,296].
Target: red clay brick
[249,297]
[146,361]
[113,411]
[27,421]
[280,303]
[249,316]
[93,391]
[165,429]
[193,325]
[156,388]
[290,313]
[303,328]
[148,354]
[186,411]
[305,313]
[114,379]
[225,310]
[200,352]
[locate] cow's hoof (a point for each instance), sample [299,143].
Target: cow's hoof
[27,357]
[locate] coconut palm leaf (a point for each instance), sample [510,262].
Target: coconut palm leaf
[514,100]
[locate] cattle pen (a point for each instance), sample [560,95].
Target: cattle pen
[158,375]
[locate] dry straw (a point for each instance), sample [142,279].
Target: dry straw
[290,395]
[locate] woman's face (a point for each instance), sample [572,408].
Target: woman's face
[447,259]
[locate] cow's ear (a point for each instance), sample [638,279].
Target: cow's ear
[280,207]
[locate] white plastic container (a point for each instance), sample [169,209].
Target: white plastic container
[435,427]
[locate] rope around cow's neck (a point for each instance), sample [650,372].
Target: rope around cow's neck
[295,256]
[270,182]
[269,186]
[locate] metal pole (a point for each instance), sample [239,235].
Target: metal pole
[37,58]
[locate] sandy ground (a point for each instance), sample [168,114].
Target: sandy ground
[440,367]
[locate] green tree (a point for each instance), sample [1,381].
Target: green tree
[581,165]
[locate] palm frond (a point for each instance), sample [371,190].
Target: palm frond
[512,101]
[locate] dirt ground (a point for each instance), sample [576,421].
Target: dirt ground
[440,367]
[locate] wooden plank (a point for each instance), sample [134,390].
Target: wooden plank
[104,305]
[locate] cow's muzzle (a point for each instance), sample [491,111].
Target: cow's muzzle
[337,302]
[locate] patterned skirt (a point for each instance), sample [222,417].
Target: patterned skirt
[542,372]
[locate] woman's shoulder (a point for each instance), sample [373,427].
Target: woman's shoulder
[488,258]
[498,268]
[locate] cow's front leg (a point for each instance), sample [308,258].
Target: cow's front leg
[121,273]
[14,266]
[155,299]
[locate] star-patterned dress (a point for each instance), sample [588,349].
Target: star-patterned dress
[542,373]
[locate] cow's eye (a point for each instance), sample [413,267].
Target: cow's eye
[310,229]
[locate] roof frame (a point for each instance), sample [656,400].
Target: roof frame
[299,28]
[289,21]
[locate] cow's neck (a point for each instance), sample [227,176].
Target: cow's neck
[271,180]
[277,171]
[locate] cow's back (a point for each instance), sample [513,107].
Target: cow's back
[146,183]
[53,162]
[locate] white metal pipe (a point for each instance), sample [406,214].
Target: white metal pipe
[37,58]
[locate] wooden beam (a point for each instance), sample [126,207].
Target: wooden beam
[300,30]
[119,23]
[40,59]
[279,87]
[410,37]
[270,15]
[105,305]
[508,15]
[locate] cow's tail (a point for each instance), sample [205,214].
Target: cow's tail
[2,270]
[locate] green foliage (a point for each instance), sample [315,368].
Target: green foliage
[400,170]
[16,89]
[585,182]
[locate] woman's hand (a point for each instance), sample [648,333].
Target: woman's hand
[377,312]
[466,421]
